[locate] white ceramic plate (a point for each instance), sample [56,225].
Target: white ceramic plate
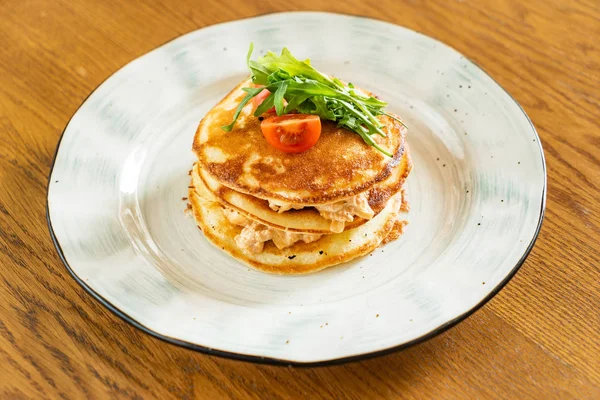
[477,196]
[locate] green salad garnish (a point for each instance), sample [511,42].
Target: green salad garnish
[309,91]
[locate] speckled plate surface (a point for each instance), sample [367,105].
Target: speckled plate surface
[477,196]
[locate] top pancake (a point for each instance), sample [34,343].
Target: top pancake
[339,165]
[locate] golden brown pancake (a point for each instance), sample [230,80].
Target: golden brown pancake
[300,257]
[307,220]
[339,165]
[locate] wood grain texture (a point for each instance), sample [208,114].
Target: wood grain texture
[538,338]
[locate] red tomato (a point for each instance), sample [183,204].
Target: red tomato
[292,133]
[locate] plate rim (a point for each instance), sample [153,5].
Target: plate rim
[280,361]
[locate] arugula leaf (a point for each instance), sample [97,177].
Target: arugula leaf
[309,91]
[287,62]
[295,102]
[278,97]
[322,108]
[259,72]
[265,105]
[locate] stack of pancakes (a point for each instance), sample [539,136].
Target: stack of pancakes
[295,213]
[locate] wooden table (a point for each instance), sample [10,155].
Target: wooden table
[539,338]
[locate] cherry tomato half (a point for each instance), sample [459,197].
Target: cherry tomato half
[292,133]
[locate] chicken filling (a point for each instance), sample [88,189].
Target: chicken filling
[254,235]
[338,213]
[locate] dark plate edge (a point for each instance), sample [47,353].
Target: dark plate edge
[281,362]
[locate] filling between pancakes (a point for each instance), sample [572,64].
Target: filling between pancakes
[253,237]
[338,212]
